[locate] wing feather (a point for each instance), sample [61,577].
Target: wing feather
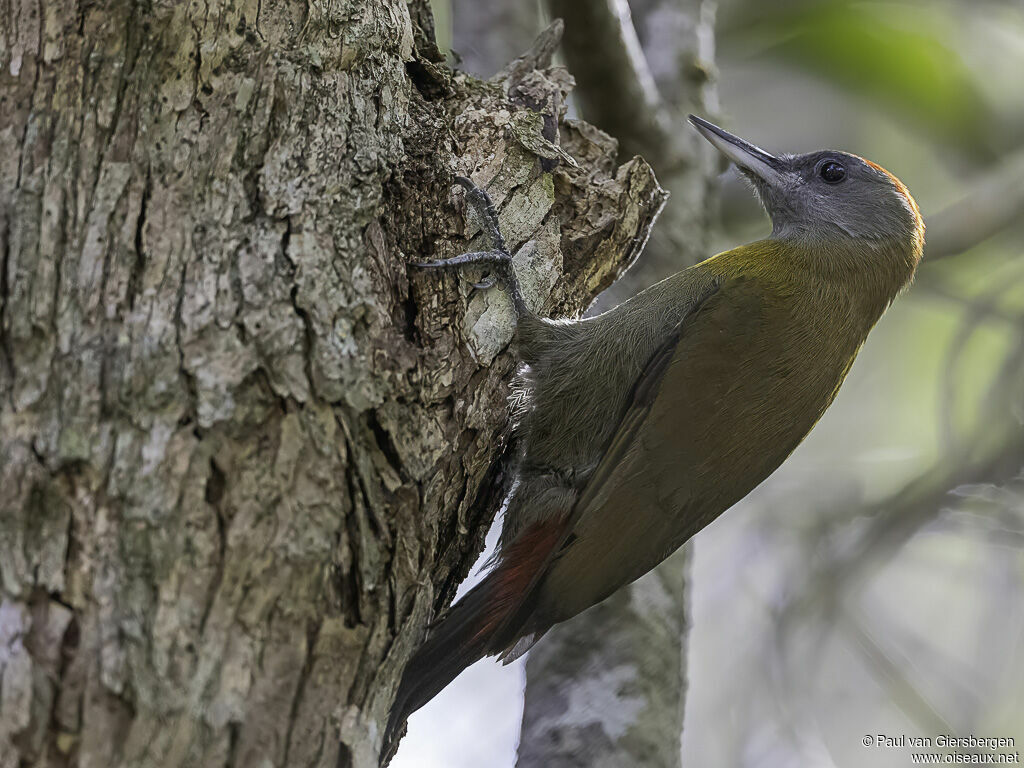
[644,395]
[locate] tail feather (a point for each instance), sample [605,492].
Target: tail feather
[474,627]
[452,647]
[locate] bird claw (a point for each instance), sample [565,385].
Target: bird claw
[484,258]
[483,206]
[499,261]
[489,258]
[486,283]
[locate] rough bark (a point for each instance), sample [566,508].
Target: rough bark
[246,453]
[608,688]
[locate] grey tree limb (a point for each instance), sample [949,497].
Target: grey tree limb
[616,88]
[608,688]
[645,109]
[989,205]
[487,35]
[246,452]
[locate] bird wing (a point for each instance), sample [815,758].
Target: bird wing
[605,476]
[733,401]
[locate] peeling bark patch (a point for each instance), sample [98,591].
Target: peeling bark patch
[233,736]
[409,312]
[350,588]
[383,440]
[312,632]
[5,292]
[309,335]
[213,494]
[215,485]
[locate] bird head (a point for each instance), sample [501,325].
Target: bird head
[827,197]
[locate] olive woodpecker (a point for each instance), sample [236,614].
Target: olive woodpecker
[643,424]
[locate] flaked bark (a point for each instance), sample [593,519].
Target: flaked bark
[246,452]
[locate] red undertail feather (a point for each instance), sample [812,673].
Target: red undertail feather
[513,574]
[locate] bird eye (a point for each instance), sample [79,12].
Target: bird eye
[832,172]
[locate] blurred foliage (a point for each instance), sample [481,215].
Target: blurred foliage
[875,584]
[906,55]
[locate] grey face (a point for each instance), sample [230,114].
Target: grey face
[826,194]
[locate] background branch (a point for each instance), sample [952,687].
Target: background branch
[992,203]
[618,91]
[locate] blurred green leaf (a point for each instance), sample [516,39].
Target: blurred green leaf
[898,52]
[442,10]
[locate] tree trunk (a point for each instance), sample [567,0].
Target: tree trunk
[608,688]
[246,452]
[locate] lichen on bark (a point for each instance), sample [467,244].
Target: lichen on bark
[246,451]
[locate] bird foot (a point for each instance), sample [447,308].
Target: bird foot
[499,259]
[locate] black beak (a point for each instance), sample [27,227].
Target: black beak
[748,157]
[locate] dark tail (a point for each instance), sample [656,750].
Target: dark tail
[453,645]
[474,627]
